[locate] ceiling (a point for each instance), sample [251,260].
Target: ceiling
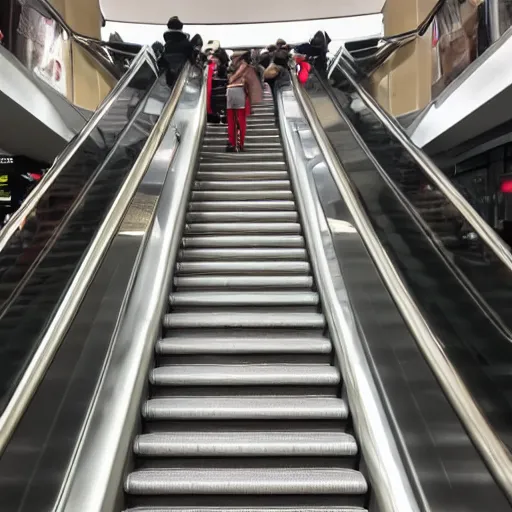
[199,12]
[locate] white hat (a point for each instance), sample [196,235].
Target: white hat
[211,46]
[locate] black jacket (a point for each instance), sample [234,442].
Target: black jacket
[177,50]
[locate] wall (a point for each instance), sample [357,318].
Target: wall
[90,83]
[403,83]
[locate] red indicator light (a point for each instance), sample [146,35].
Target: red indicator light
[506,187]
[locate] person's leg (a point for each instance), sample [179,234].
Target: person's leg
[231,128]
[242,125]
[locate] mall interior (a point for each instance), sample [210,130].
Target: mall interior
[247,253]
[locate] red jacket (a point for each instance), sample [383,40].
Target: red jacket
[303,69]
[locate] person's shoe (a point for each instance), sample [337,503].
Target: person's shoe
[230,149]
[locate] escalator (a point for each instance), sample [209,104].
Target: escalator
[235,377]
[244,405]
[454,267]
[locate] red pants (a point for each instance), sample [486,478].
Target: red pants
[237,123]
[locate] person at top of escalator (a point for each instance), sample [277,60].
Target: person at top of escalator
[177,50]
[216,85]
[303,68]
[316,50]
[277,69]
[243,91]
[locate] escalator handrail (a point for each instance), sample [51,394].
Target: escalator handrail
[68,306]
[430,169]
[494,452]
[15,222]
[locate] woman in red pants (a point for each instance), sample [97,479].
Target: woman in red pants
[243,90]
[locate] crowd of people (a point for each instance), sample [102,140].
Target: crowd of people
[235,84]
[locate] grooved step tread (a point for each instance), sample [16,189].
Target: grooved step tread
[244,345]
[246,481]
[231,298]
[245,375]
[245,408]
[243,267]
[246,444]
[269,319]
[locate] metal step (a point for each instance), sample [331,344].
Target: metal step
[232,298]
[242,216]
[242,185]
[270,149]
[244,281]
[246,444]
[224,156]
[262,344]
[263,319]
[244,375]
[241,195]
[252,253]
[245,408]
[245,481]
[244,163]
[243,227]
[244,345]
[243,267]
[241,175]
[250,138]
[244,241]
[243,206]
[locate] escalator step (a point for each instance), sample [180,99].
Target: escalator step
[242,195]
[245,375]
[247,281]
[237,205]
[242,175]
[265,318]
[242,185]
[213,228]
[245,408]
[245,481]
[263,344]
[240,241]
[252,253]
[243,267]
[246,444]
[242,216]
[232,298]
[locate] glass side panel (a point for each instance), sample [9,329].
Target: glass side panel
[39,261]
[463,290]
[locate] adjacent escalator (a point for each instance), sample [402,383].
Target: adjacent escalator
[459,281]
[245,409]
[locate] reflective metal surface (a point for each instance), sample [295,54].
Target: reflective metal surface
[471,105]
[449,341]
[43,259]
[95,478]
